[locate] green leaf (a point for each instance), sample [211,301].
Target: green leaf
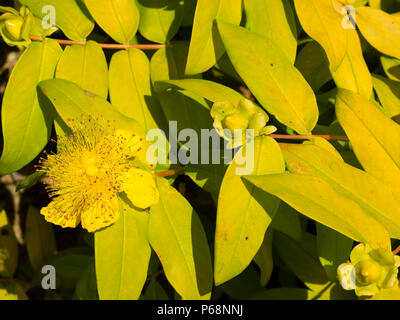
[71,17]
[187,108]
[242,286]
[155,291]
[275,21]
[8,247]
[122,254]
[316,199]
[189,8]
[40,239]
[86,288]
[287,221]
[205,45]
[71,101]
[159,19]
[169,63]
[272,78]
[118,18]
[86,66]
[388,92]
[302,262]
[375,198]
[177,236]
[391,66]
[333,249]
[70,268]
[207,176]
[26,117]
[353,73]
[130,89]
[380,29]
[263,258]
[322,21]
[30,180]
[210,90]
[371,133]
[313,64]
[244,212]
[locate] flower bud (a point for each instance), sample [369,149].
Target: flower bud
[13,28]
[368,271]
[235,121]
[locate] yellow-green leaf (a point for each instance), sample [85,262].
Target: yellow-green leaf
[71,102]
[118,18]
[372,195]
[272,78]
[374,136]
[353,73]
[130,89]
[263,258]
[71,17]
[177,236]
[39,238]
[316,199]
[333,249]
[313,65]
[388,92]
[86,66]
[391,66]
[380,29]
[26,117]
[159,19]
[273,20]
[322,20]
[210,90]
[122,253]
[205,45]
[244,212]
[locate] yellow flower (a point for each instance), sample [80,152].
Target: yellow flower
[93,165]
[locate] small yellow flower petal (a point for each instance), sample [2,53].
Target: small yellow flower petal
[102,215]
[57,212]
[140,187]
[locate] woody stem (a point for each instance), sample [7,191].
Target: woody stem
[106,45]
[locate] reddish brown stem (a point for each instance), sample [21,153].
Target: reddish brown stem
[171,172]
[396,251]
[107,45]
[297,137]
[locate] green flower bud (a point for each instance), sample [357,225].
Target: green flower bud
[235,121]
[13,28]
[368,272]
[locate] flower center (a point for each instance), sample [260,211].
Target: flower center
[91,169]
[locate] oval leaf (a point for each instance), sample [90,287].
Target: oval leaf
[118,18]
[177,236]
[205,45]
[244,212]
[122,255]
[26,117]
[272,78]
[86,66]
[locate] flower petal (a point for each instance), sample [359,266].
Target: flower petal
[60,213]
[100,215]
[140,187]
[347,276]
